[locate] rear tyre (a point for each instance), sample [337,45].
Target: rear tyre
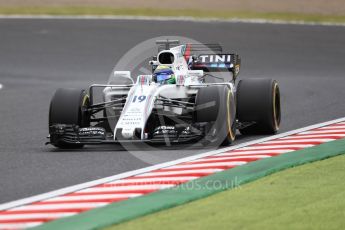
[215,104]
[68,106]
[258,101]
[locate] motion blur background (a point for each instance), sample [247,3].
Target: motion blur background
[292,6]
[314,7]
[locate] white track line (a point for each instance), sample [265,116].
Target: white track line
[75,188]
[1,86]
[161,18]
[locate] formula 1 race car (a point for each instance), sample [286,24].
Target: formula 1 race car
[176,103]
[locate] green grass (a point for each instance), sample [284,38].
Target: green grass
[77,10]
[306,197]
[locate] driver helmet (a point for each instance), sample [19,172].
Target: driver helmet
[164,75]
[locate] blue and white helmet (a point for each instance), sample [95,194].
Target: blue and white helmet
[163,74]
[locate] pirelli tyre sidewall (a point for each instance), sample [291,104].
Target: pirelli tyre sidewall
[258,102]
[216,105]
[68,107]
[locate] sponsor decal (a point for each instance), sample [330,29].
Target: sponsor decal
[215,58]
[91,131]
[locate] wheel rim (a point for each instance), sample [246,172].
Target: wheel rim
[276,106]
[231,133]
[85,121]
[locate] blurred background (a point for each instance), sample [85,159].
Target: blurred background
[273,9]
[291,6]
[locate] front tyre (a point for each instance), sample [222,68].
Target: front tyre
[68,106]
[216,105]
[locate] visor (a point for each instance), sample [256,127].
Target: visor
[162,77]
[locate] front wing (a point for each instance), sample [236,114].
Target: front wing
[72,134]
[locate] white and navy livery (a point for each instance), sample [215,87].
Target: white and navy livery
[187,102]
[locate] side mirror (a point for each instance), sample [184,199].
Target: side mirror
[121,78]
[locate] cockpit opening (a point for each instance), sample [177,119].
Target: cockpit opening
[166,58]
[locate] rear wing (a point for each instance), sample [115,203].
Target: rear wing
[217,63]
[192,47]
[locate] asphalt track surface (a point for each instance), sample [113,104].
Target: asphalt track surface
[39,56]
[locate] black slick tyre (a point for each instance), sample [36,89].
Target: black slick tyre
[216,105]
[68,107]
[258,104]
